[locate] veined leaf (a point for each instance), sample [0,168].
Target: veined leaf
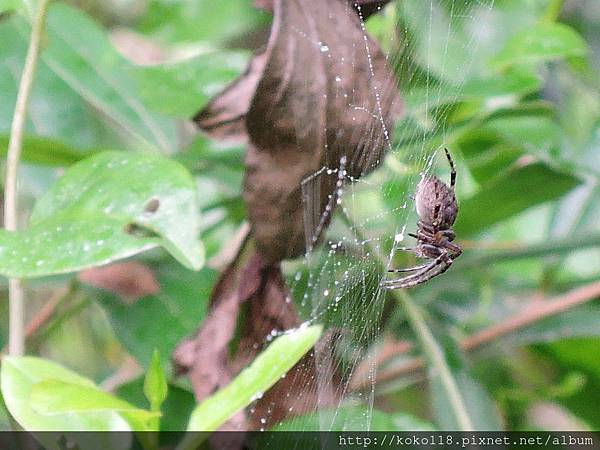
[543,42]
[108,207]
[80,53]
[46,151]
[55,397]
[511,194]
[181,89]
[19,375]
[264,372]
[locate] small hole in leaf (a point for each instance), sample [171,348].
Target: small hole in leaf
[137,230]
[152,206]
[132,228]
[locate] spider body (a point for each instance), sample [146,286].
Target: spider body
[437,209]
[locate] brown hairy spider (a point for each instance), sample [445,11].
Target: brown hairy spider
[437,209]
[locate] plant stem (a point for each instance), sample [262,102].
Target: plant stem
[436,358]
[553,11]
[16,336]
[556,247]
[537,311]
[429,346]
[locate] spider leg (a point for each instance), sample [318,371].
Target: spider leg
[454,249]
[438,266]
[409,269]
[448,234]
[452,169]
[391,284]
[434,272]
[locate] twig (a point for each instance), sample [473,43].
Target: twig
[538,310]
[129,370]
[72,310]
[16,335]
[45,312]
[535,312]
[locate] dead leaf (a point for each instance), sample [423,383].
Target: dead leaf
[326,94]
[224,116]
[321,92]
[320,96]
[308,384]
[131,280]
[365,8]
[205,357]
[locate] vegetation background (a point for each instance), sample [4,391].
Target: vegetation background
[516,320]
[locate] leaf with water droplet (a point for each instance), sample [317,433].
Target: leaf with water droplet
[98,213]
[252,382]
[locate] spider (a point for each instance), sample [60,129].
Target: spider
[437,209]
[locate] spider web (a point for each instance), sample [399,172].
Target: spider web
[366,220]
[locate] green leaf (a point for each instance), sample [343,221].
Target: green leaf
[354,418]
[181,89]
[9,5]
[161,321]
[489,160]
[221,21]
[533,132]
[510,194]
[105,208]
[540,43]
[155,383]
[71,120]
[81,54]
[176,409]
[204,156]
[19,375]
[264,372]
[496,89]
[578,357]
[55,397]
[46,151]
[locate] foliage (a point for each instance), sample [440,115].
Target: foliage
[110,171]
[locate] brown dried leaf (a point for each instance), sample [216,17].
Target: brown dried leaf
[364,7]
[270,311]
[131,280]
[326,93]
[205,357]
[224,116]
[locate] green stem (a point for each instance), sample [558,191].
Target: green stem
[429,346]
[556,247]
[436,358]
[16,296]
[553,11]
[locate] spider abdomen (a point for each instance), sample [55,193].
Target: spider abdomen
[436,203]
